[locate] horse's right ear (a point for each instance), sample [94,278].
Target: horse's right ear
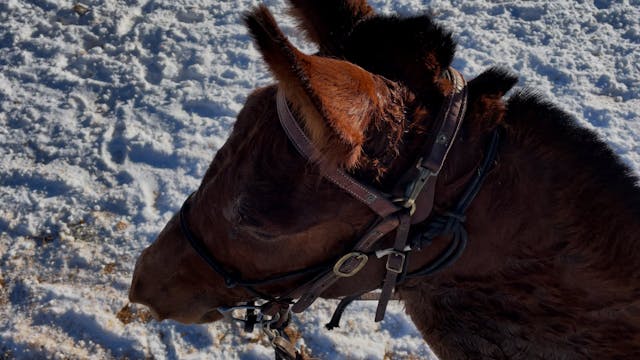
[334,99]
[329,22]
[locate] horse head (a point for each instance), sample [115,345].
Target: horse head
[262,209]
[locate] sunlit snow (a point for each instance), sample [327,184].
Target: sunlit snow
[108,120]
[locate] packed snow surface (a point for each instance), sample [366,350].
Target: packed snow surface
[109,119]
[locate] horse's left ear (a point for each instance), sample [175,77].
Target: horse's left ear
[335,100]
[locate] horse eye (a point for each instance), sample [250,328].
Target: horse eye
[245,219]
[240,213]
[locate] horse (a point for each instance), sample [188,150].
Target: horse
[522,243]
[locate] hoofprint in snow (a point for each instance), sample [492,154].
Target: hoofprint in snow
[110,113]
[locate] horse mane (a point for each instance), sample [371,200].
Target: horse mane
[418,38]
[590,182]
[561,129]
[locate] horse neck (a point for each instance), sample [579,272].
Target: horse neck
[550,248]
[545,201]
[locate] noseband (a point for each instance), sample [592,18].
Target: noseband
[412,207]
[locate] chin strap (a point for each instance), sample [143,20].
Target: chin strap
[396,263]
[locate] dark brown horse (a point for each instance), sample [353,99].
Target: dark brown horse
[552,265]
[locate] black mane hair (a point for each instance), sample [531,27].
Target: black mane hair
[562,129]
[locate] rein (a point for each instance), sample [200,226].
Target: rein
[394,214]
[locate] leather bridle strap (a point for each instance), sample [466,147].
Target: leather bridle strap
[232,279]
[346,266]
[436,150]
[449,122]
[396,264]
[375,200]
[393,216]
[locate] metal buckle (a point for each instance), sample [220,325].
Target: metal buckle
[393,257]
[356,256]
[228,313]
[385,252]
[415,187]
[270,326]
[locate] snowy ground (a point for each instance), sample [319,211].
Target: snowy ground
[108,120]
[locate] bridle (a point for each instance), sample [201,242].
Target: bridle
[413,206]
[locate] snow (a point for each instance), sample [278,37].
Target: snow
[108,120]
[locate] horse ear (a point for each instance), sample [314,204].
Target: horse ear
[334,98]
[414,50]
[329,22]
